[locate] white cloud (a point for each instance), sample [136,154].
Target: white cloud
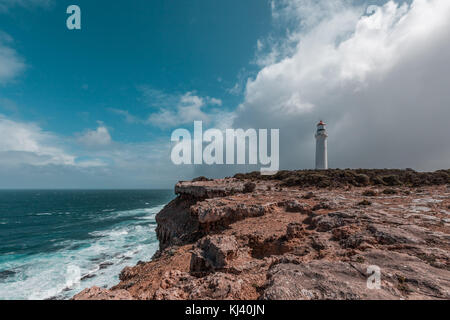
[11,64]
[214,101]
[99,137]
[157,98]
[6,4]
[27,143]
[188,109]
[31,157]
[379,79]
[91,163]
[126,114]
[174,109]
[241,81]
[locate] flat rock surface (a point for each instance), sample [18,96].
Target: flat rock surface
[223,239]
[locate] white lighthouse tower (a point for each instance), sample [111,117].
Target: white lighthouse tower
[321,147]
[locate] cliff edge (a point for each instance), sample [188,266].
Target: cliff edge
[299,235]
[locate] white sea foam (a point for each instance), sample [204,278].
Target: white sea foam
[99,260]
[144,212]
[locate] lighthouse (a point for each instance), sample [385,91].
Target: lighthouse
[321,147]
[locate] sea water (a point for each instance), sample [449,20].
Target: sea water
[53,244]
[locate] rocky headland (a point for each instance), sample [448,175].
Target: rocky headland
[298,235]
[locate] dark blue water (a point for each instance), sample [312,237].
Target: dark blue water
[53,244]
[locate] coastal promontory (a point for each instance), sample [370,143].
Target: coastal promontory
[299,235]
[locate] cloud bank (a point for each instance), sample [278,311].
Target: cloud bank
[11,64]
[379,76]
[33,158]
[27,143]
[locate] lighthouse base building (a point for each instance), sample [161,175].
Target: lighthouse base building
[321,147]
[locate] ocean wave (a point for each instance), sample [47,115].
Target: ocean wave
[109,233]
[141,212]
[97,260]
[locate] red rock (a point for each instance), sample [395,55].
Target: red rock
[217,242]
[96,293]
[213,253]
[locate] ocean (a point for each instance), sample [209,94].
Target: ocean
[53,244]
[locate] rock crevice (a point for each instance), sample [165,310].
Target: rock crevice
[255,238]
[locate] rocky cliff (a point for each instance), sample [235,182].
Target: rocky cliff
[299,235]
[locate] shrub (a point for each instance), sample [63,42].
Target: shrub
[249,187]
[391,180]
[353,177]
[201,179]
[389,191]
[362,179]
[369,193]
[377,181]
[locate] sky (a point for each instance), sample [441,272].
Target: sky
[95,108]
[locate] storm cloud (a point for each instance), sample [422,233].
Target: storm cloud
[379,76]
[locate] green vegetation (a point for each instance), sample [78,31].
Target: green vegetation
[353,177]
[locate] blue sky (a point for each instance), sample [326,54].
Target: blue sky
[94,108]
[131,59]
[72,79]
